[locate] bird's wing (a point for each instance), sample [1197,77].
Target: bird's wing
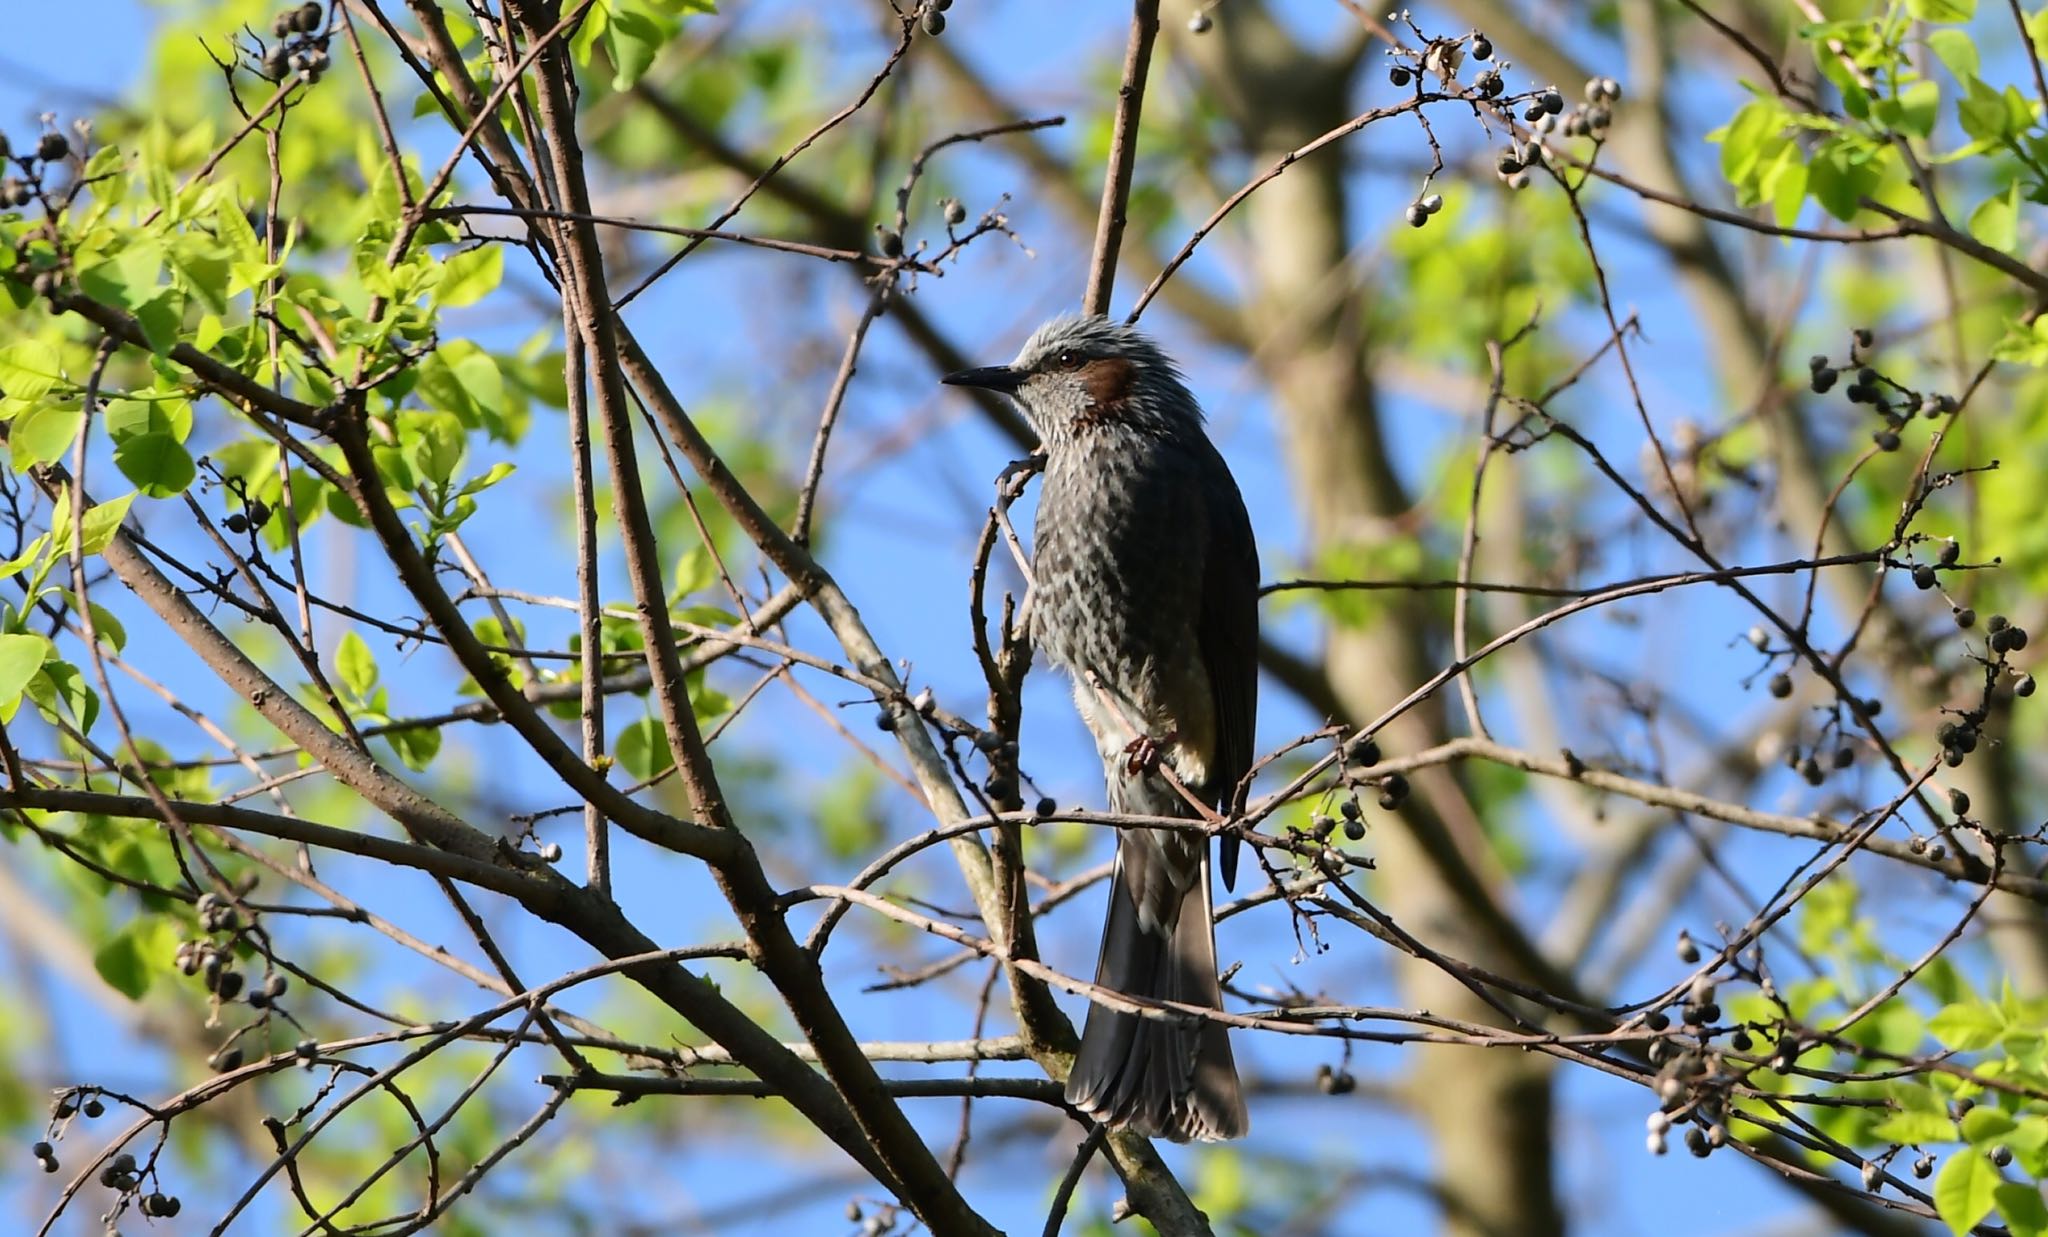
[1228,633]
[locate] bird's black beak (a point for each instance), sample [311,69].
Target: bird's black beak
[989,378]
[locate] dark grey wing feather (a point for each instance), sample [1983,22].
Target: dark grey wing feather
[1228,633]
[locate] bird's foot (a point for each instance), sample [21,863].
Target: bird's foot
[1142,754]
[1011,481]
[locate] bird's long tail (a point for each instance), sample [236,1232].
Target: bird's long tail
[1162,1077]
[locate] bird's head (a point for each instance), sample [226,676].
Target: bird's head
[1076,374]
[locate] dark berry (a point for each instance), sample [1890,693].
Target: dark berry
[52,146]
[1508,163]
[1923,577]
[276,63]
[1860,394]
[2023,686]
[1552,102]
[1393,789]
[1045,806]
[934,22]
[1482,48]
[1958,802]
[2017,638]
[284,23]
[1364,751]
[1354,830]
[1845,756]
[229,986]
[1823,380]
[1863,337]
[1886,440]
[884,722]
[1867,377]
[1996,623]
[1965,617]
[42,1150]
[1696,1142]
[93,1108]
[2001,1156]
[956,214]
[892,242]
[50,1164]
[1657,1020]
[123,1163]
[1950,552]
[1398,76]
[1349,809]
[227,1059]
[1416,215]
[308,17]
[1688,949]
[1781,685]
[1816,362]
[999,787]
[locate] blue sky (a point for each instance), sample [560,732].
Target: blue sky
[908,518]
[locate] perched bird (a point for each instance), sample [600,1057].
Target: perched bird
[1146,592]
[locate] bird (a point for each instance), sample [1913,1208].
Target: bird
[1145,585]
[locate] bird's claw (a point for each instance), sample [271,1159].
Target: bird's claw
[1011,481]
[1142,754]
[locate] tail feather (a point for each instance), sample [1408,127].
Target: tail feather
[1160,1077]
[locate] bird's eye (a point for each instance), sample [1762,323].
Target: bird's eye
[1068,358]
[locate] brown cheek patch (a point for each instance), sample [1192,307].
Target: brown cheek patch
[1107,381]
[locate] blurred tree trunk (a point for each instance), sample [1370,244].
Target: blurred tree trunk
[1490,1113]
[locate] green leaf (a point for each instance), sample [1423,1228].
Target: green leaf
[126,418]
[1985,1125]
[1957,50]
[1942,10]
[470,276]
[1965,1191]
[1996,221]
[121,962]
[20,657]
[416,747]
[102,521]
[2022,1209]
[158,464]
[60,683]
[633,39]
[30,369]
[128,278]
[1915,1127]
[1919,106]
[642,749]
[435,447]
[1967,1026]
[2024,344]
[1839,179]
[1984,113]
[356,665]
[105,626]
[694,570]
[43,434]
